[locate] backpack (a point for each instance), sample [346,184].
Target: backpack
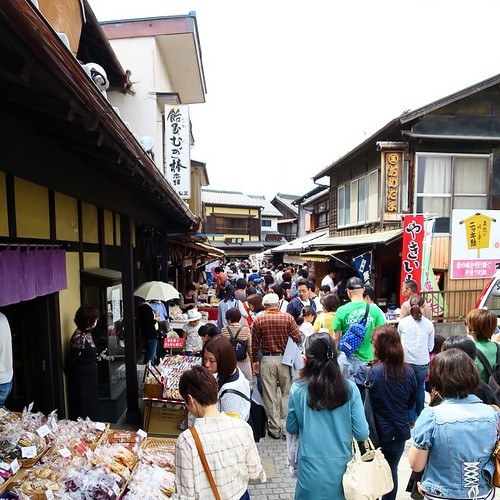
[239,346]
[354,335]
[257,418]
[493,372]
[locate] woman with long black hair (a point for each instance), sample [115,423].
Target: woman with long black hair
[326,411]
[228,302]
[393,389]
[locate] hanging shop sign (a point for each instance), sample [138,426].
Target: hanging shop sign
[363,264]
[475,243]
[177,149]
[392,165]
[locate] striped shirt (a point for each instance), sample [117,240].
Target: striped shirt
[270,332]
[231,454]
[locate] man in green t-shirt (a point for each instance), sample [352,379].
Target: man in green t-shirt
[352,312]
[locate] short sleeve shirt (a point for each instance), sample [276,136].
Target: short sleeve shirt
[351,313]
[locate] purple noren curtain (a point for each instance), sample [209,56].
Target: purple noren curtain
[27,274]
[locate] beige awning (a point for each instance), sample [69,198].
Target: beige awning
[319,255]
[357,240]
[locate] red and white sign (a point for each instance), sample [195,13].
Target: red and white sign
[173,343]
[412,249]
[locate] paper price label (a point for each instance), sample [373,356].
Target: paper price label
[116,489]
[64,452]
[89,454]
[140,454]
[30,406]
[14,465]
[4,466]
[28,452]
[43,431]
[49,494]
[100,426]
[142,433]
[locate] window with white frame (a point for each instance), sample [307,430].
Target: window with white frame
[444,182]
[358,200]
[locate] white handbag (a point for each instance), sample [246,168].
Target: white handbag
[367,476]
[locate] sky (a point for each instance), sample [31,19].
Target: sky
[294,85]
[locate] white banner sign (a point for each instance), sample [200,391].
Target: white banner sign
[177,149]
[475,243]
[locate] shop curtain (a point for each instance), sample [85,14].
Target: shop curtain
[29,273]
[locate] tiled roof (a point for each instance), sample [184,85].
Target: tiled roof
[316,197]
[287,199]
[269,210]
[228,198]
[244,244]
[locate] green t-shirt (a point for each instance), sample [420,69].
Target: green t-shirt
[351,313]
[489,349]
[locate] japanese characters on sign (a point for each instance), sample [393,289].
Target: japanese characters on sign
[475,243]
[177,168]
[363,264]
[392,164]
[412,249]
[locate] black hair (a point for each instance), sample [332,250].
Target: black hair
[277,289]
[241,283]
[230,291]
[460,342]
[369,292]
[209,329]
[327,388]
[324,288]
[416,303]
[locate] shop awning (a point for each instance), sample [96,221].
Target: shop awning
[319,255]
[299,244]
[356,240]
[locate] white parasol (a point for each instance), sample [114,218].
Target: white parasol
[156,290]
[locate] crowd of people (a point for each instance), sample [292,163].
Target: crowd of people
[320,407]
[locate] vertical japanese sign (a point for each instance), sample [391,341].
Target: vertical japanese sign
[177,149]
[429,282]
[475,243]
[392,162]
[412,249]
[363,265]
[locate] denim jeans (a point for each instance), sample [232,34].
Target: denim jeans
[150,354]
[4,392]
[420,374]
[245,496]
[392,452]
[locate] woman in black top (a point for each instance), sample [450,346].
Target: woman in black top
[81,366]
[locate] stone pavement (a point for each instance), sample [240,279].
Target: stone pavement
[280,486]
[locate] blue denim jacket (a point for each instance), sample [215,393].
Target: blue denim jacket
[460,435]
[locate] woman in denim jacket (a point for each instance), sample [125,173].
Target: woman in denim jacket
[454,440]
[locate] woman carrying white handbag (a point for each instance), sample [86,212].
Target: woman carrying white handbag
[326,411]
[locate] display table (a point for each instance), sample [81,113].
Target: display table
[213,312]
[164,416]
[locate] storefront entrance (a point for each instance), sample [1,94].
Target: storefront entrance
[37,377]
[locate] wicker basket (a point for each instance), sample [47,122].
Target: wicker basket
[29,462]
[151,443]
[93,446]
[5,486]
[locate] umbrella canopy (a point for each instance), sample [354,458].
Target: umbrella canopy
[156,290]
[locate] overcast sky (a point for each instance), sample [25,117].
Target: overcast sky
[294,85]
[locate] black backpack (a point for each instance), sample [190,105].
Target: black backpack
[493,372]
[239,346]
[257,418]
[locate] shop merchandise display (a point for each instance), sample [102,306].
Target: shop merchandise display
[171,368]
[83,460]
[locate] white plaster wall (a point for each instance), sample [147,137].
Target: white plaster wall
[149,75]
[273,226]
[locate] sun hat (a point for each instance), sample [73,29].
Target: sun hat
[270,299]
[193,314]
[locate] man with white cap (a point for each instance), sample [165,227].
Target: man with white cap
[270,333]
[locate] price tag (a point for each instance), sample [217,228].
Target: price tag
[140,454]
[14,465]
[89,454]
[53,424]
[43,431]
[4,466]
[30,406]
[64,452]
[142,433]
[116,489]
[49,494]
[28,452]
[100,426]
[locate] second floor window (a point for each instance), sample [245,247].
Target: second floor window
[266,223]
[358,200]
[445,182]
